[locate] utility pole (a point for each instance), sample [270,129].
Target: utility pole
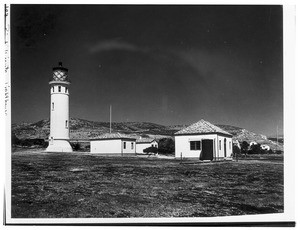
[109,118]
[277,137]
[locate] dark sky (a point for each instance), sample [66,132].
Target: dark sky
[162,64]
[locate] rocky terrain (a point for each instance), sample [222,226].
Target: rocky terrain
[241,134]
[84,130]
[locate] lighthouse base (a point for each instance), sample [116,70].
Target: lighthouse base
[59,146]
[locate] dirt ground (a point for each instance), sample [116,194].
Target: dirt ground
[54,185]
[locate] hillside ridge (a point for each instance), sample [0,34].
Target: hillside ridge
[85,129]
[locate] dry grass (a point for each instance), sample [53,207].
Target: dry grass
[81,185]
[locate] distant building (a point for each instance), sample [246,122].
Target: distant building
[144,143]
[204,141]
[115,144]
[252,143]
[265,147]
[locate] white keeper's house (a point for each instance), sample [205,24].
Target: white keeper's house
[143,143]
[114,144]
[204,141]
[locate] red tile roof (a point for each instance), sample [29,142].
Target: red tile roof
[202,127]
[113,136]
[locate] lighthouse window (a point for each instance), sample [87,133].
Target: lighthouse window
[52,106]
[66,124]
[59,88]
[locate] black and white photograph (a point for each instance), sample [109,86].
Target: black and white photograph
[147,114]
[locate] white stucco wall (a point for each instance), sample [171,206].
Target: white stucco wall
[141,146]
[128,147]
[59,146]
[182,145]
[228,146]
[106,146]
[114,146]
[59,113]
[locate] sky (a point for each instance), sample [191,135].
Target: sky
[164,64]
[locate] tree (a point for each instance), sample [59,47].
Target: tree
[14,139]
[236,151]
[255,149]
[244,147]
[166,146]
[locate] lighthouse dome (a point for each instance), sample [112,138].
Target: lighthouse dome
[60,74]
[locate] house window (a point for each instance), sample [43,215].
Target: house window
[195,145]
[66,124]
[229,144]
[152,145]
[124,145]
[59,88]
[220,145]
[52,88]
[131,145]
[66,89]
[52,106]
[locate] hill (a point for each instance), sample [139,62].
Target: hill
[241,134]
[84,130]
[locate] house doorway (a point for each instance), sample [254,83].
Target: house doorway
[207,150]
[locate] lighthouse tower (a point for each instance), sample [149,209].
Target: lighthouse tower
[59,111]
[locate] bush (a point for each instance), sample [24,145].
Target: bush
[151,150]
[255,149]
[29,142]
[270,151]
[166,146]
[264,151]
[76,146]
[14,139]
[278,152]
[244,147]
[236,150]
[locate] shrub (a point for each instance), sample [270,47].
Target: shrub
[236,150]
[244,147]
[29,142]
[166,146]
[264,151]
[151,150]
[76,146]
[278,152]
[14,139]
[255,149]
[270,151]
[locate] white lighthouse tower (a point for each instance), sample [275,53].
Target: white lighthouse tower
[59,111]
